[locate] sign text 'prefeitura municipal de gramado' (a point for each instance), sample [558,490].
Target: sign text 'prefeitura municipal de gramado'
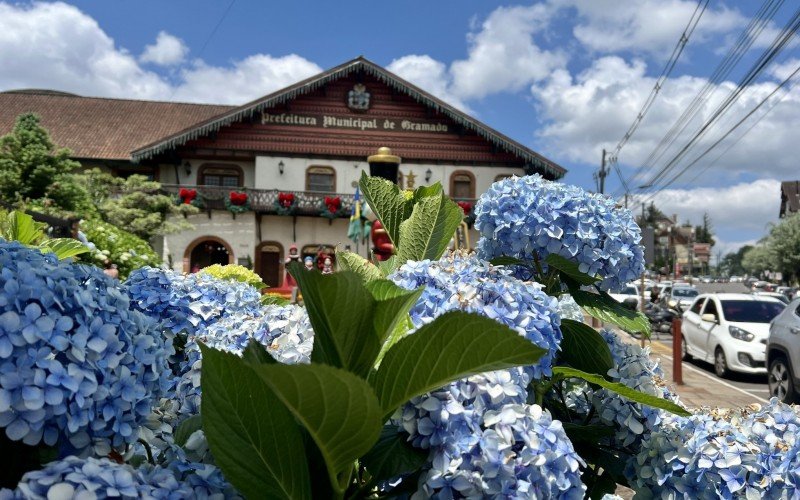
[328,121]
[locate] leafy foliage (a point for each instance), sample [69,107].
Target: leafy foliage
[19,226]
[126,250]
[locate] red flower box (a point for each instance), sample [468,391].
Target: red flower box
[238,199]
[286,200]
[333,203]
[187,195]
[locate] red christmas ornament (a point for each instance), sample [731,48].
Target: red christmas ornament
[238,199]
[286,200]
[333,203]
[187,195]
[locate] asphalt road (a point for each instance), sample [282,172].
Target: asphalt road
[754,384]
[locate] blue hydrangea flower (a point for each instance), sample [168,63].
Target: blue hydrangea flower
[748,453]
[77,366]
[516,451]
[74,477]
[526,216]
[186,303]
[463,282]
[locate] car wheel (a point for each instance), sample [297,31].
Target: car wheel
[685,350]
[780,382]
[720,363]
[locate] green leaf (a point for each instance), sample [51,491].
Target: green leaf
[249,430]
[187,428]
[453,346]
[393,456]
[256,354]
[389,265]
[64,247]
[271,299]
[587,433]
[338,409]
[583,348]
[349,261]
[341,310]
[434,189]
[24,229]
[428,231]
[603,307]
[389,204]
[622,390]
[570,269]
[393,305]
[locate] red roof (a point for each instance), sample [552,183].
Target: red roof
[100,128]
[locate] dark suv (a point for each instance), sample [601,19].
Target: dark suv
[783,354]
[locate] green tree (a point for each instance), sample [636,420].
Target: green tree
[731,264]
[784,242]
[29,161]
[705,232]
[760,258]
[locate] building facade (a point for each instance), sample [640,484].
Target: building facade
[282,170]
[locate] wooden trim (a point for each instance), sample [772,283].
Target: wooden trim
[187,254]
[321,168]
[229,166]
[453,182]
[281,263]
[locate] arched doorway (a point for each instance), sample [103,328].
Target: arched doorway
[269,263]
[205,251]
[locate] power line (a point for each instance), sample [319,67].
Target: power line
[743,43]
[730,131]
[756,69]
[668,67]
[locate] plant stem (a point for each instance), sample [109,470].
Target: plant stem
[147,450]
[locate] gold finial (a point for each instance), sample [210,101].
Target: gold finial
[384,156]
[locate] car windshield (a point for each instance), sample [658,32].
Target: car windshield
[751,311]
[629,290]
[684,292]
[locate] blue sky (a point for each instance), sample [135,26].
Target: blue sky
[565,77]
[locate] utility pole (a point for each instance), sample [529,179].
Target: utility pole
[602,174]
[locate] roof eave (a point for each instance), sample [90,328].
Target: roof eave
[303,87]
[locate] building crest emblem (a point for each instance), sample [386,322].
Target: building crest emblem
[358,98]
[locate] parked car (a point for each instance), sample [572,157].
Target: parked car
[788,291]
[735,279]
[783,354]
[729,330]
[679,297]
[628,296]
[774,295]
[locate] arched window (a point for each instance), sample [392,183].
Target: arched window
[322,179]
[220,174]
[205,251]
[269,263]
[462,185]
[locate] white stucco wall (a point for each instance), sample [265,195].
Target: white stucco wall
[238,233]
[268,176]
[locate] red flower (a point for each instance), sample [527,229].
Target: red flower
[286,200]
[465,206]
[238,199]
[187,195]
[333,204]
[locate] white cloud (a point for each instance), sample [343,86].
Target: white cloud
[428,74]
[167,51]
[503,55]
[56,46]
[739,213]
[245,80]
[645,26]
[594,109]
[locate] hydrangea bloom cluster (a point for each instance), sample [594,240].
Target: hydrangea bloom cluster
[634,368]
[518,451]
[463,282]
[284,330]
[77,366]
[526,216]
[187,303]
[750,453]
[75,477]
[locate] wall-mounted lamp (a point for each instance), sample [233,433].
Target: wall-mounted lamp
[428,175]
[188,168]
[280,167]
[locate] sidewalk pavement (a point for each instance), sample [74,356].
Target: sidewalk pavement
[699,388]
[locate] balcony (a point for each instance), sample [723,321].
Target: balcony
[265,201]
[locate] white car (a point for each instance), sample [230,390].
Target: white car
[628,296]
[729,330]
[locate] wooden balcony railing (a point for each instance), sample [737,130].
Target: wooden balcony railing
[265,201]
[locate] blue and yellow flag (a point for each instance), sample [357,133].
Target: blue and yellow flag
[354,230]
